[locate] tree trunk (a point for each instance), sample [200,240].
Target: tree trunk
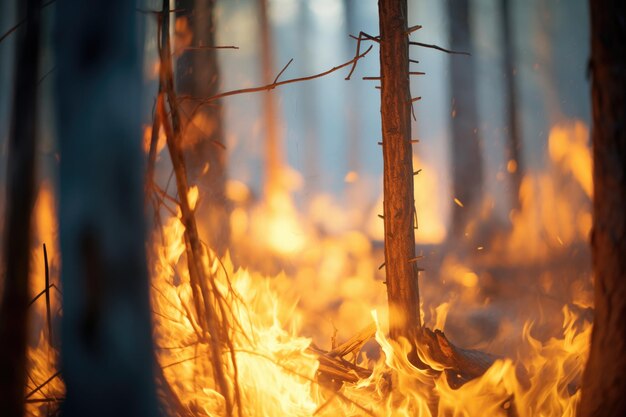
[107,357]
[197,74]
[20,201]
[402,288]
[515,165]
[467,172]
[604,383]
[273,154]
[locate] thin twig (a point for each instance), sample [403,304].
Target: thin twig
[413,29]
[43,77]
[207,47]
[47,283]
[40,386]
[42,292]
[21,22]
[439,48]
[362,36]
[282,70]
[281,83]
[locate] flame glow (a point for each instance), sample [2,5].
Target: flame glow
[331,284]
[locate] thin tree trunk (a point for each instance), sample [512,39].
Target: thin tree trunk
[604,383]
[467,169]
[20,201]
[515,163]
[197,74]
[107,356]
[402,288]
[273,154]
[208,301]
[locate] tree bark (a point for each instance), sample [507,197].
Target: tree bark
[467,171]
[20,201]
[197,74]
[107,357]
[604,383]
[402,288]
[514,141]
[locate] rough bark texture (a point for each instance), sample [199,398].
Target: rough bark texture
[20,200]
[604,381]
[467,172]
[514,141]
[197,74]
[402,289]
[107,356]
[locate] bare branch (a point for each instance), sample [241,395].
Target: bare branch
[362,36]
[207,47]
[439,48]
[273,85]
[413,29]
[282,70]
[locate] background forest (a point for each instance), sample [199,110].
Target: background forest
[288,184]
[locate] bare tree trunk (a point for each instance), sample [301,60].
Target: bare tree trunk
[197,74]
[515,163]
[402,288]
[107,357]
[273,154]
[467,169]
[20,201]
[604,383]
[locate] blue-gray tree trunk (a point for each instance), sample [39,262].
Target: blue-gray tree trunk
[107,353]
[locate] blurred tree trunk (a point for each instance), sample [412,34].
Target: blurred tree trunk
[352,119]
[402,288]
[467,170]
[197,74]
[107,357]
[513,146]
[20,201]
[273,153]
[309,100]
[604,382]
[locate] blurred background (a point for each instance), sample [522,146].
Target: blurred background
[503,198]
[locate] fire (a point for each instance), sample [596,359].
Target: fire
[331,287]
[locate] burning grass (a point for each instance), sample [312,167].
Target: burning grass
[331,283]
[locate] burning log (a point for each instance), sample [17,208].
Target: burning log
[460,365]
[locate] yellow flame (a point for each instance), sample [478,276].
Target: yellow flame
[332,286]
